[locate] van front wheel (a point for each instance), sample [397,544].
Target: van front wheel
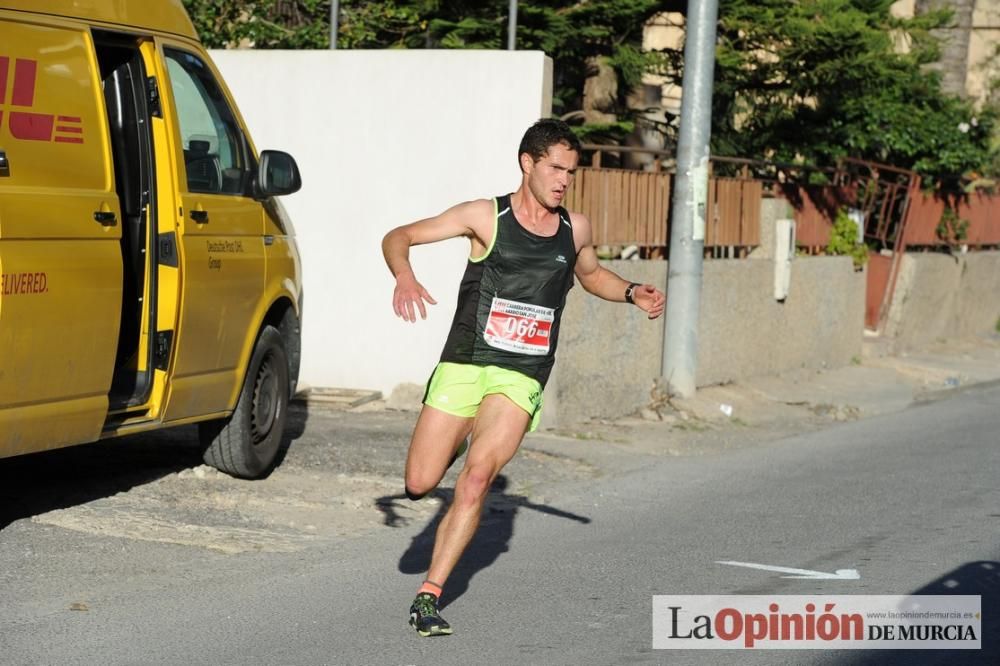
[246,444]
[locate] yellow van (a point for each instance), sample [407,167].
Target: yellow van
[149,277]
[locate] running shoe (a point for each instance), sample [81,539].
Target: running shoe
[424,616]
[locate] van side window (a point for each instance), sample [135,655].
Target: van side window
[216,156]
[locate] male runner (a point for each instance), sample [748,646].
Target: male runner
[525,250]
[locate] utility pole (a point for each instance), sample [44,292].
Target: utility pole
[334,22]
[512,26]
[687,237]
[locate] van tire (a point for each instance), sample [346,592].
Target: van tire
[246,444]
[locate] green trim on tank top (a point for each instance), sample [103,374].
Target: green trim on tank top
[496,228]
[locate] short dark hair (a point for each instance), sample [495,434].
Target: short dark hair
[544,134]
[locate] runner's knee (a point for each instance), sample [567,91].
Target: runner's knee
[412,496]
[473,484]
[418,485]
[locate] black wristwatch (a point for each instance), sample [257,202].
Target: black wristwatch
[629,291]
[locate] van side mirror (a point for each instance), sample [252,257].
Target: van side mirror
[277,174]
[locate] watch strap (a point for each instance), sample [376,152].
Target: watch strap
[629,290]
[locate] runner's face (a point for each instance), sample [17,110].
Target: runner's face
[550,177]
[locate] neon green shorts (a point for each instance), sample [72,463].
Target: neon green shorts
[459,388]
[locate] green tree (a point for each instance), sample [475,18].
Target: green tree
[270,24]
[570,31]
[806,81]
[816,80]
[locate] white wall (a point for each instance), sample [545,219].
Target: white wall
[383,138]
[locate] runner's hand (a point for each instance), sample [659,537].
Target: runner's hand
[409,296]
[650,299]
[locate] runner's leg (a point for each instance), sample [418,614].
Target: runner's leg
[496,435]
[436,438]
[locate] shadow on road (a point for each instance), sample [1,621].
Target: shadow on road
[40,482]
[492,538]
[36,483]
[975,578]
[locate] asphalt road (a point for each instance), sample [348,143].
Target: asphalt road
[909,500]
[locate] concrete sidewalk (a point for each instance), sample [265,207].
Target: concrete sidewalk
[875,384]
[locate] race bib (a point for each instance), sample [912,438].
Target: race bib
[519,327]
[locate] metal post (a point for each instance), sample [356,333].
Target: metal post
[512,26]
[687,238]
[334,22]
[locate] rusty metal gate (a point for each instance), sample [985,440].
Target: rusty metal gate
[884,197]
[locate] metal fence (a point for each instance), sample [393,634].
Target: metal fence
[975,221]
[631,207]
[814,209]
[625,207]
[975,218]
[733,216]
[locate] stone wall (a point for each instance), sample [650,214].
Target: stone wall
[941,297]
[609,354]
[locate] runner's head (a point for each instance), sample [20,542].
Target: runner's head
[548,156]
[544,134]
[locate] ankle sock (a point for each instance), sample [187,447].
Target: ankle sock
[430,588]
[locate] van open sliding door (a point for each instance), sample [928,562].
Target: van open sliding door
[129,95]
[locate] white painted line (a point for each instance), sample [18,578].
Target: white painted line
[803,574]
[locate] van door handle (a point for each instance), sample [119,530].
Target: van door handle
[200,216]
[105,217]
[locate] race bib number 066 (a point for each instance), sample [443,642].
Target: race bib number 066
[519,327]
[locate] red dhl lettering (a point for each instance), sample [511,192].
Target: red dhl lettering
[28,125]
[12,284]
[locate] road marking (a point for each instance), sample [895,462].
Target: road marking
[803,574]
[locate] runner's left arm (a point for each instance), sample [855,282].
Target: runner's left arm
[604,283]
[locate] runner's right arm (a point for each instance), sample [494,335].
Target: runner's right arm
[471,219]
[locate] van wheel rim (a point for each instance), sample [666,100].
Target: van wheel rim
[265,400]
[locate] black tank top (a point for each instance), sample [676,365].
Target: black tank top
[510,301]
